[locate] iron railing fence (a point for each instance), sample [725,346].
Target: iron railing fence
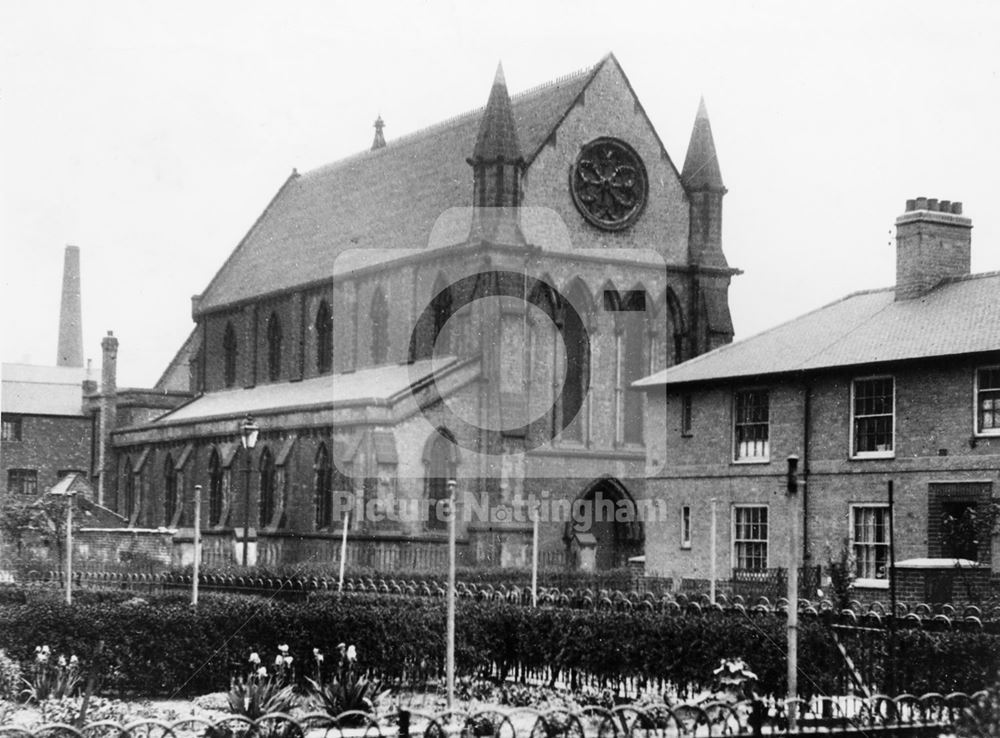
[903,716]
[870,614]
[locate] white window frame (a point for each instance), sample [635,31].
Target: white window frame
[868,582]
[766,459]
[891,453]
[686,527]
[980,432]
[734,562]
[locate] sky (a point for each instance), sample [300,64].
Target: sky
[152,135]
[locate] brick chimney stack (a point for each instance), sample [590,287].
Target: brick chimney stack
[108,415]
[70,317]
[933,242]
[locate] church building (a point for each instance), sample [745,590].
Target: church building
[471,301]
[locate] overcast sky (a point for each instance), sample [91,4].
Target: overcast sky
[151,135]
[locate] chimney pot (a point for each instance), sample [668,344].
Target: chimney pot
[933,243]
[911,205]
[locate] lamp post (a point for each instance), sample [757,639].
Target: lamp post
[248,437]
[793,590]
[197,546]
[450,649]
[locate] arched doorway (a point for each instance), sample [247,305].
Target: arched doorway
[610,514]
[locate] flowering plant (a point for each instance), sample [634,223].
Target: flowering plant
[346,690]
[735,679]
[261,692]
[50,678]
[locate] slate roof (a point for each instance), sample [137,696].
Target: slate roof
[372,385]
[959,316]
[42,390]
[386,198]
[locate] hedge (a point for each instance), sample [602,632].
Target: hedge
[158,646]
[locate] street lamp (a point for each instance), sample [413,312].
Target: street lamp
[249,431]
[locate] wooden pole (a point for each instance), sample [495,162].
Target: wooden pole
[892,590]
[793,592]
[197,546]
[450,655]
[712,557]
[343,550]
[534,559]
[69,548]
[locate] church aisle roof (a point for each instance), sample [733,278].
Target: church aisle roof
[375,384]
[960,316]
[385,198]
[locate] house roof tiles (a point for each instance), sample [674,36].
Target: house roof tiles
[959,316]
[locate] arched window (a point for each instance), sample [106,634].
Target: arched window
[633,361]
[379,317]
[267,488]
[434,323]
[273,347]
[127,489]
[442,310]
[324,339]
[214,489]
[577,362]
[322,490]
[441,464]
[229,356]
[169,490]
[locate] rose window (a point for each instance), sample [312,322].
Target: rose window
[608,182]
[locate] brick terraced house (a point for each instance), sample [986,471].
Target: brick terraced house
[374,323]
[897,385]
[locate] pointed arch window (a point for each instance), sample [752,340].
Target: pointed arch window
[442,310]
[324,339]
[379,316]
[323,497]
[214,489]
[441,461]
[274,347]
[633,362]
[434,322]
[577,364]
[268,477]
[229,356]
[169,490]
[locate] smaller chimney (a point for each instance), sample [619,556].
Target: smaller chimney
[89,383]
[933,243]
[108,408]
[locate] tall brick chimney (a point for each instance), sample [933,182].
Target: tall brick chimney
[933,242]
[108,414]
[70,318]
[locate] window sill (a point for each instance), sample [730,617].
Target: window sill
[752,461]
[685,547]
[872,583]
[991,433]
[873,455]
